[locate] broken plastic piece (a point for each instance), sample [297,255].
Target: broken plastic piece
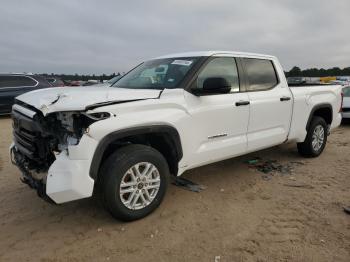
[300,185]
[347,210]
[252,162]
[272,166]
[188,185]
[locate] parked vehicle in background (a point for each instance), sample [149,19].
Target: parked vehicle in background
[346,102]
[340,82]
[55,81]
[109,82]
[12,85]
[167,115]
[296,80]
[91,82]
[113,80]
[327,79]
[344,78]
[76,83]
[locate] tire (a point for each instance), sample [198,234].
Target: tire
[122,165]
[307,148]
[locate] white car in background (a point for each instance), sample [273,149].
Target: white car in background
[346,102]
[342,83]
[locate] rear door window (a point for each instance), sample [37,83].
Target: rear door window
[261,74]
[16,81]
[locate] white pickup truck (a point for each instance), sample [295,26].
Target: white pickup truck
[167,115]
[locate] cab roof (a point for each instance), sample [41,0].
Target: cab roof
[212,53]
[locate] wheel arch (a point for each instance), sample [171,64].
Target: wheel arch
[324,110]
[163,138]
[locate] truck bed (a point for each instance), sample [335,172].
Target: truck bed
[312,94]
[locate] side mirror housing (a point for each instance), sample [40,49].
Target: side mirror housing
[213,85]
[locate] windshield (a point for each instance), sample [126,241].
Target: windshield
[157,74]
[346,91]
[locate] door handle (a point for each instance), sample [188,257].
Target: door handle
[242,103]
[284,98]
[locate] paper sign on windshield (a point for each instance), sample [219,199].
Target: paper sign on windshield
[182,62]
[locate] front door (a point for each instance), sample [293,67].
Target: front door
[219,121]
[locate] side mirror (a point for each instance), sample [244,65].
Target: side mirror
[213,85]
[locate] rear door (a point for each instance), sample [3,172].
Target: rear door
[12,86]
[270,104]
[218,122]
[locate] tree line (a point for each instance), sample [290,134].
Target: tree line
[315,72]
[77,77]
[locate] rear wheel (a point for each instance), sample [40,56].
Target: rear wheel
[316,138]
[135,180]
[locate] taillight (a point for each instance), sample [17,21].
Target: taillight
[341,104]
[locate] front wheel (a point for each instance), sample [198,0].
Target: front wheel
[316,138]
[135,180]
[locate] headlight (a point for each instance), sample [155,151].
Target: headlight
[98,115]
[74,124]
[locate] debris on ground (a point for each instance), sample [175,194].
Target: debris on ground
[270,167]
[253,161]
[347,210]
[217,259]
[266,177]
[301,185]
[297,163]
[188,185]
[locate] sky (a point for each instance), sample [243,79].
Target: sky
[95,37]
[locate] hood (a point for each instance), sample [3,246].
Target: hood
[51,100]
[103,85]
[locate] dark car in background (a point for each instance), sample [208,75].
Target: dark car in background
[12,85]
[296,80]
[55,81]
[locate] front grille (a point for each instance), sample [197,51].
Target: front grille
[29,139]
[26,142]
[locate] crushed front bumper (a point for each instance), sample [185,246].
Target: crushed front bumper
[68,176]
[38,184]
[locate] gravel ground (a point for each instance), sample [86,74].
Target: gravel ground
[242,215]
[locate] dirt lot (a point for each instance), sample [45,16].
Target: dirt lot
[239,217]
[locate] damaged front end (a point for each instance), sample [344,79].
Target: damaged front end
[40,140]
